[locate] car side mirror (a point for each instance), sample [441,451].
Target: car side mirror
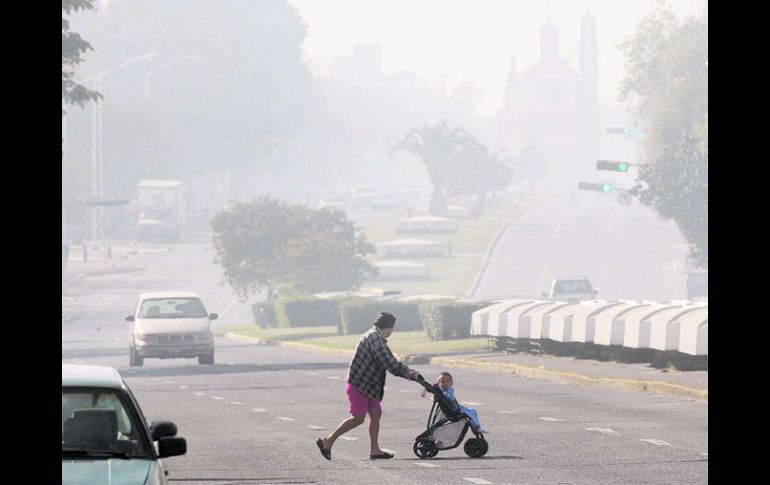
[130,318]
[169,446]
[213,316]
[162,429]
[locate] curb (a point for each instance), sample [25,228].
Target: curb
[100,272]
[290,345]
[495,240]
[657,387]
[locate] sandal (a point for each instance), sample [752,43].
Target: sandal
[326,453]
[384,455]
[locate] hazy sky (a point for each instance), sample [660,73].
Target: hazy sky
[470,40]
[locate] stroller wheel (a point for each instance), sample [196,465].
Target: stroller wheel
[476,447]
[424,448]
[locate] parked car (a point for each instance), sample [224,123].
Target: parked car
[170,325]
[105,436]
[571,288]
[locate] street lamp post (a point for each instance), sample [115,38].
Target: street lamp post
[148,75]
[97,152]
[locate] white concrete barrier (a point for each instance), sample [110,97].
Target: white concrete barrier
[557,324]
[487,321]
[666,326]
[609,323]
[583,325]
[532,319]
[514,324]
[694,332]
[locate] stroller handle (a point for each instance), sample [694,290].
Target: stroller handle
[428,386]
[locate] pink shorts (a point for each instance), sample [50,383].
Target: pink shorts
[360,403]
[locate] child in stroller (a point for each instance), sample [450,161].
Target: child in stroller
[446,428]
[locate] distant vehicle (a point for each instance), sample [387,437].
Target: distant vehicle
[571,288]
[105,436]
[363,195]
[170,325]
[697,286]
[161,210]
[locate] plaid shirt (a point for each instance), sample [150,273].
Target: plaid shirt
[372,358]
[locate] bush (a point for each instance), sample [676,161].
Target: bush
[307,311]
[445,320]
[264,314]
[357,315]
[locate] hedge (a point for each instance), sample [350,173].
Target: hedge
[445,320]
[357,315]
[307,311]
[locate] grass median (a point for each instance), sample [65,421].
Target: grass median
[413,342]
[453,274]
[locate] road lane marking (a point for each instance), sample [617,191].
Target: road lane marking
[218,398]
[603,430]
[506,412]
[258,410]
[227,309]
[333,377]
[471,403]
[429,465]
[351,438]
[284,418]
[657,442]
[548,418]
[312,426]
[183,387]
[169,382]
[237,403]
[478,481]
[199,393]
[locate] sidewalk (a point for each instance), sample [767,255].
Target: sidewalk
[583,372]
[100,259]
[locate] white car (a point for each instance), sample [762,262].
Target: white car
[571,288]
[105,436]
[170,325]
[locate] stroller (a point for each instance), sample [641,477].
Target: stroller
[446,428]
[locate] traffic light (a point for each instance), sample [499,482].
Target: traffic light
[612,166]
[596,187]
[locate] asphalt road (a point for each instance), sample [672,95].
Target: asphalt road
[254,416]
[626,251]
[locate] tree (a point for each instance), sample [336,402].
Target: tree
[265,243]
[481,172]
[667,78]
[531,163]
[438,148]
[72,49]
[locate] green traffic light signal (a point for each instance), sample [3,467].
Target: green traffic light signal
[595,186]
[612,166]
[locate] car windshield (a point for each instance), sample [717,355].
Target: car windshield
[572,286]
[101,423]
[172,308]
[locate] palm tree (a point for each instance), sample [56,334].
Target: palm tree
[480,173]
[438,148]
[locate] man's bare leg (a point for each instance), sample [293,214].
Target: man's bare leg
[343,428]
